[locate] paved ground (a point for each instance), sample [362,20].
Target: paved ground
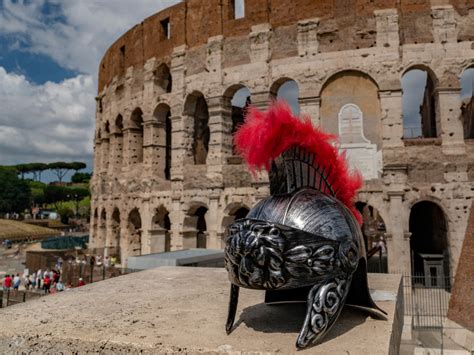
[183,310]
[11,260]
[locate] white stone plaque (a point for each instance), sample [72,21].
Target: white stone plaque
[361,154]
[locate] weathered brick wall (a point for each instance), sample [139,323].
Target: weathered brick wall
[461,304]
[344,25]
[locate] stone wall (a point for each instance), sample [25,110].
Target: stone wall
[461,305]
[211,55]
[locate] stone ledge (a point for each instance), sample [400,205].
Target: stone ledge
[183,310]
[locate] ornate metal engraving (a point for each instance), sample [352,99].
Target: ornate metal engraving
[325,302]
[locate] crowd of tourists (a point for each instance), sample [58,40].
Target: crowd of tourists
[47,281]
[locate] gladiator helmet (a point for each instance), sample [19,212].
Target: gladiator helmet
[303,242]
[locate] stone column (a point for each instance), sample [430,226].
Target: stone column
[444,24]
[387,29]
[392,118]
[212,222]
[398,240]
[133,149]
[176,217]
[146,215]
[97,156]
[310,106]
[451,127]
[115,153]
[260,46]
[219,149]
[308,44]
[105,155]
[154,147]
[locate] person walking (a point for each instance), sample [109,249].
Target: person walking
[46,283]
[16,282]
[7,282]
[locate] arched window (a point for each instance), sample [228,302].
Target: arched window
[117,143]
[196,107]
[162,226]
[135,233]
[419,104]
[162,80]
[467,97]
[136,137]
[287,89]
[236,100]
[162,115]
[114,249]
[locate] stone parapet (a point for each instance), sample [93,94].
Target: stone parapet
[183,310]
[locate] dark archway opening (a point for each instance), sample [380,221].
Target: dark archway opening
[162,225]
[136,137]
[373,231]
[201,227]
[467,97]
[135,233]
[429,245]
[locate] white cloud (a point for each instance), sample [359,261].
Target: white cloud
[55,121]
[85,30]
[50,122]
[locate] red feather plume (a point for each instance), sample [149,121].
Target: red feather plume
[264,136]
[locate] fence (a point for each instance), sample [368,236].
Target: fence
[70,275]
[12,297]
[426,300]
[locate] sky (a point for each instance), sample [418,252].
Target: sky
[49,57]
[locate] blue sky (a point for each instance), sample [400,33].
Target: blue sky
[49,56]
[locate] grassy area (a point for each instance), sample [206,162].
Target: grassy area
[12,230]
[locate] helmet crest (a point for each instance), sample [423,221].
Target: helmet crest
[309,155]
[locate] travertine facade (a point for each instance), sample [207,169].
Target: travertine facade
[165,176]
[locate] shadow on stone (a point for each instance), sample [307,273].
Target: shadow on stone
[288,318]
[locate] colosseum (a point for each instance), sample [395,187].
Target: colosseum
[392,78]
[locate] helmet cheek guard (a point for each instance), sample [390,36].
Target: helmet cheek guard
[303,243]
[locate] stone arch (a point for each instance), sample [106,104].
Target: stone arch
[236,100]
[429,244]
[107,127]
[162,116]
[134,226]
[162,79]
[420,101]
[135,139]
[232,212]
[115,242]
[161,230]
[357,88]
[374,230]
[117,141]
[467,98]
[196,107]
[286,89]
[195,226]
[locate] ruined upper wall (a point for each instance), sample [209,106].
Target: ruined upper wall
[344,25]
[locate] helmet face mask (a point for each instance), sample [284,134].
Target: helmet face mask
[302,243]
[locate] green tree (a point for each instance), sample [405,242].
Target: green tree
[77,194]
[15,194]
[55,195]
[81,177]
[37,169]
[61,168]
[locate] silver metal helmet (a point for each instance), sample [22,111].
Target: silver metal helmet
[300,244]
